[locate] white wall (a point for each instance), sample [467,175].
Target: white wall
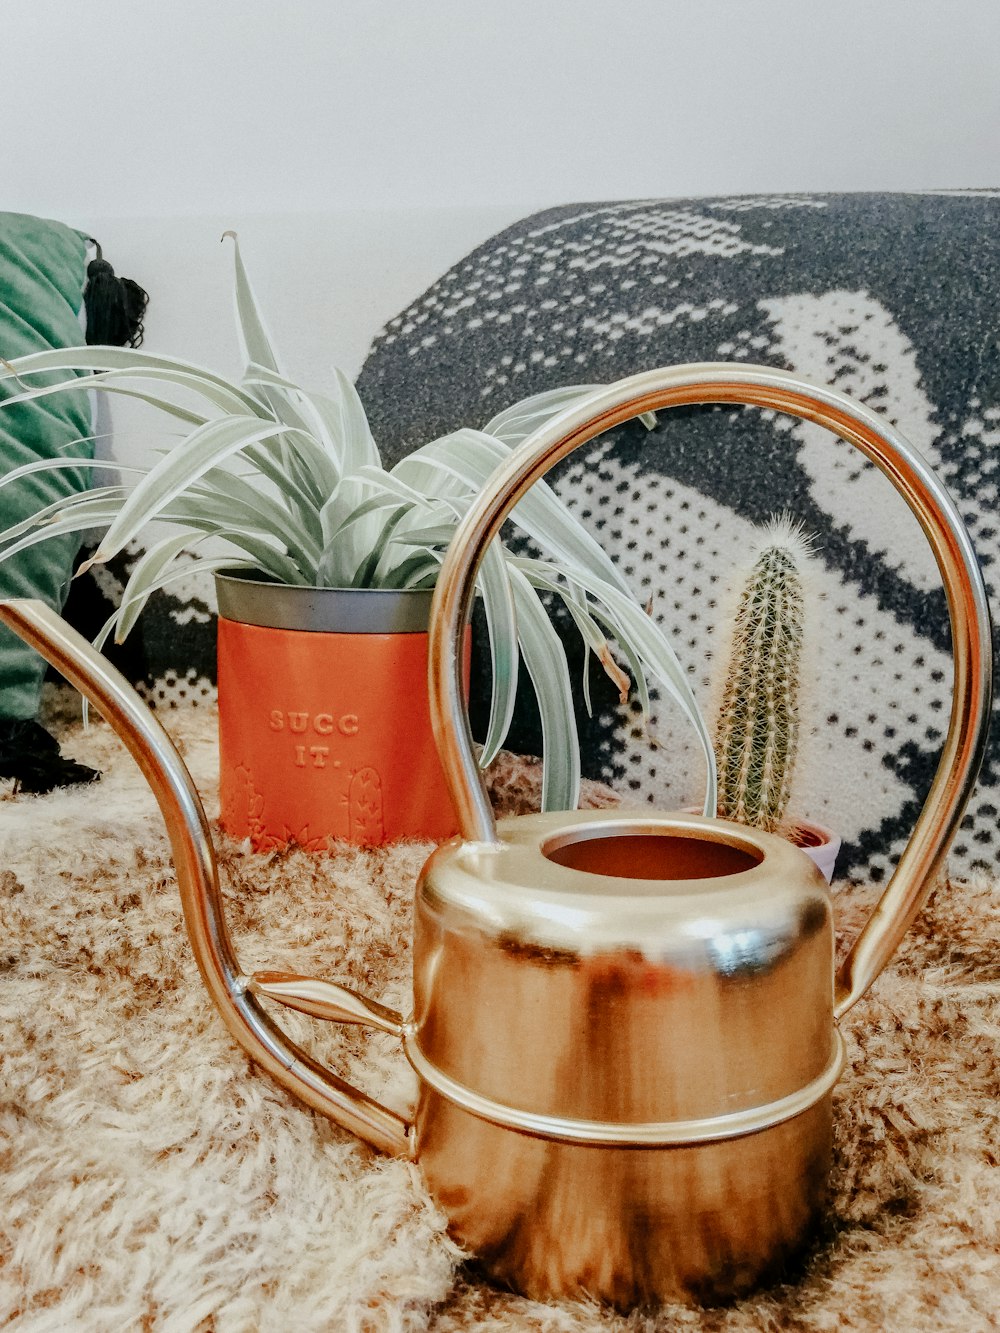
[240,106]
[361,146]
[327,282]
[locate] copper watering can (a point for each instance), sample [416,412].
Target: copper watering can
[624,1023]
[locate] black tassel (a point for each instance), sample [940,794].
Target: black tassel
[115,306]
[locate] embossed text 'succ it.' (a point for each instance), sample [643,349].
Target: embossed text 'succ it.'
[323,724]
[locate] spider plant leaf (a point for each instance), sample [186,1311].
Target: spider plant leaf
[108,383]
[353,525]
[501,626]
[347,412]
[310,466]
[621,680]
[440,534]
[595,642]
[317,414]
[439,514]
[339,423]
[346,541]
[148,568]
[308,453]
[473,457]
[412,572]
[580,600]
[220,518]
[62,464]
[392,484]
[636,667]
[254,341]
[430,477]
[539,576]
[348,424]
[74,522]
[101,499]
[545,660]
[517,422]
[299,501]
[203,449]
[266,557]
[275,393]
[206,565]
[140,600]
[629,621]
[171,409]
[81,514]
[367,570]
[269,515]
[271,388]
[355,513]
[639,635]
[223,394]
[585,681]
[350,547]
[652,645]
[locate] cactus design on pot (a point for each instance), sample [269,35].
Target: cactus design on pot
[757,730]
[365,808]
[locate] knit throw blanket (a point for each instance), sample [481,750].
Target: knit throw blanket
[152,1179]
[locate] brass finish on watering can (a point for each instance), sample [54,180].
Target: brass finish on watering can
[624,1023]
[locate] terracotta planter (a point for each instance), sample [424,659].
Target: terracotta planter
[324,725]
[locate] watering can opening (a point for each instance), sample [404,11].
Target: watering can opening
[638,852]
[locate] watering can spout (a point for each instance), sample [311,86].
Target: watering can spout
[234,994]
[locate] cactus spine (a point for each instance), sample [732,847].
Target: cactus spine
[757,730]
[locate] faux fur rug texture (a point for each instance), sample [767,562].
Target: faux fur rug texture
[152,1180]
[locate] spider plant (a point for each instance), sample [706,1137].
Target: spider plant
[292,482]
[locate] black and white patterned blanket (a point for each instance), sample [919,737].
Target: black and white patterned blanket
[889,298]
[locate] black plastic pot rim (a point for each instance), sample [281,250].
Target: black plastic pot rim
[250,598]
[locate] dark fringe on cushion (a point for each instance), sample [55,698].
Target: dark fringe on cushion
[115,306]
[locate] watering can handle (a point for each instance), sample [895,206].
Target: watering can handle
[235,995]
[758,386]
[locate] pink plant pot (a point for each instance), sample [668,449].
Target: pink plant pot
[820,844]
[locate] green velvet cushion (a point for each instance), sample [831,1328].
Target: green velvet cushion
[42,276]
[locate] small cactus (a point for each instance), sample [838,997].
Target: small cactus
[757,731]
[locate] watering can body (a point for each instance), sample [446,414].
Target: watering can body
[624,1023]
[623,1028]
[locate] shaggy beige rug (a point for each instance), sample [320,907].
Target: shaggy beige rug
[151,1179]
